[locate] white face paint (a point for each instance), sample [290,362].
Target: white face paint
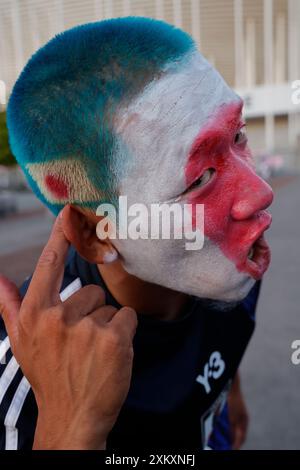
[159,128]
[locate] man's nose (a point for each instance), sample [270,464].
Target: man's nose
[253,194]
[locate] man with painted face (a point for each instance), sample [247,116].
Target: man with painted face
[129,107]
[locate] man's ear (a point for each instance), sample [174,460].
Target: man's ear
[79,226]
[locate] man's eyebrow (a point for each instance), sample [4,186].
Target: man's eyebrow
[223,122]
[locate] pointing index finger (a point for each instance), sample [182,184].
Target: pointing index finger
[47,278]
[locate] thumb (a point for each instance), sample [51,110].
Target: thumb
[10,303]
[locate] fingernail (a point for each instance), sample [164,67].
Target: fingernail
[110,256]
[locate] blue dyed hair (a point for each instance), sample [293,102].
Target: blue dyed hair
[64,101]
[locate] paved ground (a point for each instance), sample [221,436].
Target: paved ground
[22,237]
[271,382]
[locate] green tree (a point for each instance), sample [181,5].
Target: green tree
[6,157]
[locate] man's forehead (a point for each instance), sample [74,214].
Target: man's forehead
[194,89]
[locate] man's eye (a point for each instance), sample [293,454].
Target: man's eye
[241,136]
[204,179]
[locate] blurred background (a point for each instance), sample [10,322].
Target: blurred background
[255,44]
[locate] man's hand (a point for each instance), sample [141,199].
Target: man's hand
[238,414]
[77,355]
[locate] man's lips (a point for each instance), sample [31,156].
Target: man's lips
[258,255]
[260,259]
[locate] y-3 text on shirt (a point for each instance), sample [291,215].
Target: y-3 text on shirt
[213,369]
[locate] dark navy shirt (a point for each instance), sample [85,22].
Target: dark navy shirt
[182,371]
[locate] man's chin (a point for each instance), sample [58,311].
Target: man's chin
[230,296]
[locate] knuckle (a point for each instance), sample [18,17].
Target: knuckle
[27,305]
[53,318]
[93,289]
[110,309]
[24,319]
[113,339]
[95,293]
[130,313]
[49,257]
[102,313]
[87,327]
[128,321]
[58,311]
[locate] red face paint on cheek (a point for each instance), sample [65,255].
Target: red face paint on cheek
[234,194]
[56,186]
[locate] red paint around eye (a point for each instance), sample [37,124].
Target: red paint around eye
[56,186]
[214,139]
[236,196]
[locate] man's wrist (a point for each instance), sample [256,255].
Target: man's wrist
[65,438]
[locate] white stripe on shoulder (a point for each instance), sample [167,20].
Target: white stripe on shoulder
[8,376]
[4,347]
[70,289]
[11,418]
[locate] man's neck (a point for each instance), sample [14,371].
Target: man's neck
[146,298]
